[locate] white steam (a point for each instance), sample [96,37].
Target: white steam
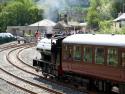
[53,7]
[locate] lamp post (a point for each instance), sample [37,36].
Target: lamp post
[25,28]
[6,22]
[123,7]
[38,15]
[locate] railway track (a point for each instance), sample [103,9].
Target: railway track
[49,83]
[17,82]
[40,76]
[35,78]
[3,48]
[22,83]
[6,47]
[28,71]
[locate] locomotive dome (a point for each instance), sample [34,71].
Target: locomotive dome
[96,39]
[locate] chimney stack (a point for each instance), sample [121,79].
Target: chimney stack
[66,19]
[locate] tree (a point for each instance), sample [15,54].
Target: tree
[93,15]
[19,12]
[99,10]
[117,7]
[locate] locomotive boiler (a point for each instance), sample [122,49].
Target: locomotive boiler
[94,60]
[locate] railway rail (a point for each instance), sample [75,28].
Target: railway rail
[21,65]
[30,70]
[3,48]
[40,76]
[7,45]
[37,88]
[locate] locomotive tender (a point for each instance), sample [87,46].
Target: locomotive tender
[95,59]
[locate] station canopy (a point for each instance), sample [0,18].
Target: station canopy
[120,18]
[44,23]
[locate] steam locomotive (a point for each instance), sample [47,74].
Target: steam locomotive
[96,61]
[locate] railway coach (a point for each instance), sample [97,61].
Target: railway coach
[94,60]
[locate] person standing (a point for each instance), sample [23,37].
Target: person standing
[37,35]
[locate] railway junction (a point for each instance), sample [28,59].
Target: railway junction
[18,76]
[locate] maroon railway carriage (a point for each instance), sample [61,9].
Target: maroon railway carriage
[100,57]
[97,60]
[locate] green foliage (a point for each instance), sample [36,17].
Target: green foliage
[93,18]
[78,12]
[19,12]
[102,12]
[105,27]
[117,7]
[121,31]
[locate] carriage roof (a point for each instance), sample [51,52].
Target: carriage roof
[96,39]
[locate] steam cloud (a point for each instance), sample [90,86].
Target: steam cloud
[53,7]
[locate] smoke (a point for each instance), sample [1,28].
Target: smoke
[52,8]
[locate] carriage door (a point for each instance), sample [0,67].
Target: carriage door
[122,85]
[123,59]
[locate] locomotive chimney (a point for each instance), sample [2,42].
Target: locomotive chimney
[66,19]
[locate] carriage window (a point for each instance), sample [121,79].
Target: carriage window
[67,50]
[123,59]
[87,55]
[99,55]
[77,53]
[69,54]
[112,56]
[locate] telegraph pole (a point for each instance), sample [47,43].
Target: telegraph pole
[123,6]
